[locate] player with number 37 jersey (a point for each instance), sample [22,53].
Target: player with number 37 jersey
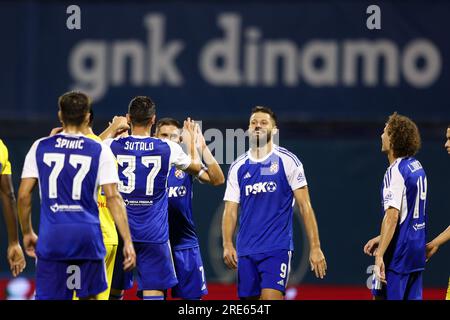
[144,163]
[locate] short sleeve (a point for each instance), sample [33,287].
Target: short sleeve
[5,165]
[178,157]
[30,169]
[393,193]
[294,171]
[108,142]
[107,170]
[233,192]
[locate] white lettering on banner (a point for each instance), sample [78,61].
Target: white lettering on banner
[242,57]
[73,21]
[152,63]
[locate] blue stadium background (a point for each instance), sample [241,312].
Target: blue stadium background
[330,79]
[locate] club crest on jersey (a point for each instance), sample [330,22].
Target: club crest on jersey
[179,174]
[274,167]
[260,187]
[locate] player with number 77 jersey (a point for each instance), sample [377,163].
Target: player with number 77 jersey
[69,168]
[144,164]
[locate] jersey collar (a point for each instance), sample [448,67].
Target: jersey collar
[264,158]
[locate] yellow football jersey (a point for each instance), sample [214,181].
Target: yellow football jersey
[5,165]
[106,220]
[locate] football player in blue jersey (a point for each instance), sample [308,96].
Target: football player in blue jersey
[264,182]
[183,236]
[144,163]
[69,169]
[399,250]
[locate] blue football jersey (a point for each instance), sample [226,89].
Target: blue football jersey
[144,164]
[405,188]
[264,190]
[181,224]
[69,169]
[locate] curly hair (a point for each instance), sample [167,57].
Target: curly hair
[404,135]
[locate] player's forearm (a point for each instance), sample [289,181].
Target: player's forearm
[442,238]
[388,227]
[9,208]
[108,133]
[24,212]
[10,214]
[310,222]
[215,173]
[117,208]
[228,227]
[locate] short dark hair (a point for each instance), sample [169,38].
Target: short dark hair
[404,135]
[141,110]
[74,106]
[265,110]
[168,122]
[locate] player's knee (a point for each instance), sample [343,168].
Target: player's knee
[271,294]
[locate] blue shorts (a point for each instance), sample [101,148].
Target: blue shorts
[154,266]
[190,274]
[57,280]
[268,270]
[121,280]
[399,286]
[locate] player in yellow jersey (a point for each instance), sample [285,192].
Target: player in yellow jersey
[109,232]
[15,255]
[434,244]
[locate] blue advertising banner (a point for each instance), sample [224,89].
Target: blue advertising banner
[307,60]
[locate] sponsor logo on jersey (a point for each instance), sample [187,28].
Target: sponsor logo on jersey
[300,177]
[177,191]
[281,283]
[260,187]
[419,226]
[66,208]
[388,197]
[139,203]
[247,175]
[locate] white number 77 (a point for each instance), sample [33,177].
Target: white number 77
[74,160]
